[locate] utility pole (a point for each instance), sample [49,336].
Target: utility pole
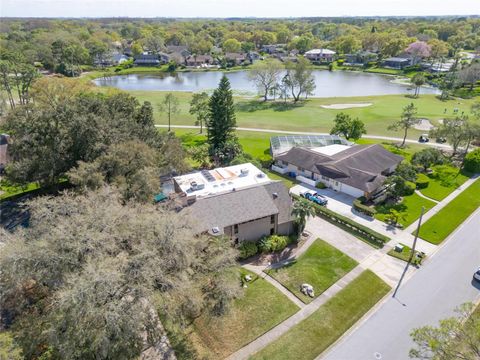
[416,236]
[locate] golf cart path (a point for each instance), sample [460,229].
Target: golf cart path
[278,131]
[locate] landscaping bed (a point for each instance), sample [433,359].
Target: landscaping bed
[312,336]
[443,223]
[261,308]
[405,254]
[321,266]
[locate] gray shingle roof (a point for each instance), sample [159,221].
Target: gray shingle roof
[240,206]
[360,166]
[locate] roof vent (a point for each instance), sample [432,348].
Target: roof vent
[215,230]
[244,172]
[260,175]
[275,195]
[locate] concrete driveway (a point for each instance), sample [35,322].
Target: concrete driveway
[338,202]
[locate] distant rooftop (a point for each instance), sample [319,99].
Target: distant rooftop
[207,183]
[321,51]
[281,144]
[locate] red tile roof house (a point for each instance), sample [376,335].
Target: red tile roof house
[358,170]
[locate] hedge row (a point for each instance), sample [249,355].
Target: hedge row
[364,233]
[367,210]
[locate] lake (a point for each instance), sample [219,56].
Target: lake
[329,83]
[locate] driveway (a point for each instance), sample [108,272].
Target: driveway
[342,204]
[432,294]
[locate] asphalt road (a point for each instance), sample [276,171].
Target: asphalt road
[430,295]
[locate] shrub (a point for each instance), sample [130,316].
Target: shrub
[472,161]
[409,188]
[362,232]
[273,243]
[321,185]
[445,174]
[357,205]
[340,62]
[422,181]
[247,249]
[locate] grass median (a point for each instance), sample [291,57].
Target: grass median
[439,226]
[313,335]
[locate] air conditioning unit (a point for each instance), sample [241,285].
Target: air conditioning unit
[244,172]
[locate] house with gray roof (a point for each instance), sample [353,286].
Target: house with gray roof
[239,202]
[358,170]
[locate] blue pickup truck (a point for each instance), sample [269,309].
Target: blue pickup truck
[315,197]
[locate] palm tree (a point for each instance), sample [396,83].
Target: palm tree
[302,209]
[418,80]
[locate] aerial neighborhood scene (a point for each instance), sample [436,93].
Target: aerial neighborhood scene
[254,180]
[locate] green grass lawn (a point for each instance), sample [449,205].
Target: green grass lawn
[261,308]
[440,187]
[8,190]
[320,266]
[404,255]
[443,223]
[313,335]
[410,207]
[308,116]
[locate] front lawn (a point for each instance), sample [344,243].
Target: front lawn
[443,181]
[312,336]
[8,190]
[261,308]
[410,208]
[443,223]
[321,266]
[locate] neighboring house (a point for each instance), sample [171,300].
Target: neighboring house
[119,58]
[397,62]
[253,56]
[236,58]
[358,170]
[360,58]
[320,55]
[164,58]
[146,60]
[178,49]
[4,158]
[199,60]
[273,48]
[239,201]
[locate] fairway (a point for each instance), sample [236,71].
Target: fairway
[309,116]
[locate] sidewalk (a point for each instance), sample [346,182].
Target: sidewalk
[443,203]
[306,311]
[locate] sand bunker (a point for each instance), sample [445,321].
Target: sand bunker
[424,125]
[345,106]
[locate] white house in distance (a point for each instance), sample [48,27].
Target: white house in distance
[358,170]
[320,55]
[238,201]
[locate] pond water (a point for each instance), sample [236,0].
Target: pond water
[329,83]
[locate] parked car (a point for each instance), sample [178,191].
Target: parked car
[476,274]
[306,194]
[423,138]
[441,140]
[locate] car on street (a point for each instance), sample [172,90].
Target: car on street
[423,138]
[476,274]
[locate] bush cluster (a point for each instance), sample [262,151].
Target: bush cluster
[472,161]
[422,181]
[273,243]
[367,210]
[321,185]
[247,249]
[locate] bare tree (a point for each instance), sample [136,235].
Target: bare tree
[265,75]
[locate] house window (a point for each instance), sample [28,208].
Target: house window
[272,219]
[324,178]
[301,169]
[272,231]
[235,229]
[336,183]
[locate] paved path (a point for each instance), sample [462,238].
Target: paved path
[443,203]
[419,193]
[388,268]
[306,311]
[432,294]
[259,271]
[278,131]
